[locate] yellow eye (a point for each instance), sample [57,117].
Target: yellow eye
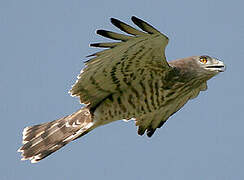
[203,59]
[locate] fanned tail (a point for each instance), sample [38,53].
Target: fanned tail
[39,141]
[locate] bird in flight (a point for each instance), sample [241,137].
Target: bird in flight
[129,79]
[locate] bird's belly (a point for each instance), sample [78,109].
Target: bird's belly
[132,103]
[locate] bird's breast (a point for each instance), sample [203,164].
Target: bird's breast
[142,97]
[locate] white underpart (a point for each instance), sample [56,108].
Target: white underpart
[83,129]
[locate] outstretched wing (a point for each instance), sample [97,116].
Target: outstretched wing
[112,70]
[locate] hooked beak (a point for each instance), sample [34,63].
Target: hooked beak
[219,66]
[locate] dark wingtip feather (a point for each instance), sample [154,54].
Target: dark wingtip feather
[95,45]
[102,32]
[141,130]
[144,25]
[134,18]
[113,35]
[105,45]
[150,132]
[126,28]
[161,124]
[114,21]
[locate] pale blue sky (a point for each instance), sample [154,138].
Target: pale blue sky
[42,46]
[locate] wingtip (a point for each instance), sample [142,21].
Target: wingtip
[141,131]
[100,31]
[97,31]
[94,44]
[112,19]
[134,18]
[150,132]
[115,22]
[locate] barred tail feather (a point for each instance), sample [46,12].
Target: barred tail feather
[41,140]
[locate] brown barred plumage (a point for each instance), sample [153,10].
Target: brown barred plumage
[43,139]
[130,79]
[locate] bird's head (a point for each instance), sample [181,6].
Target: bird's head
[206,66]
[210,64]
[203,67]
